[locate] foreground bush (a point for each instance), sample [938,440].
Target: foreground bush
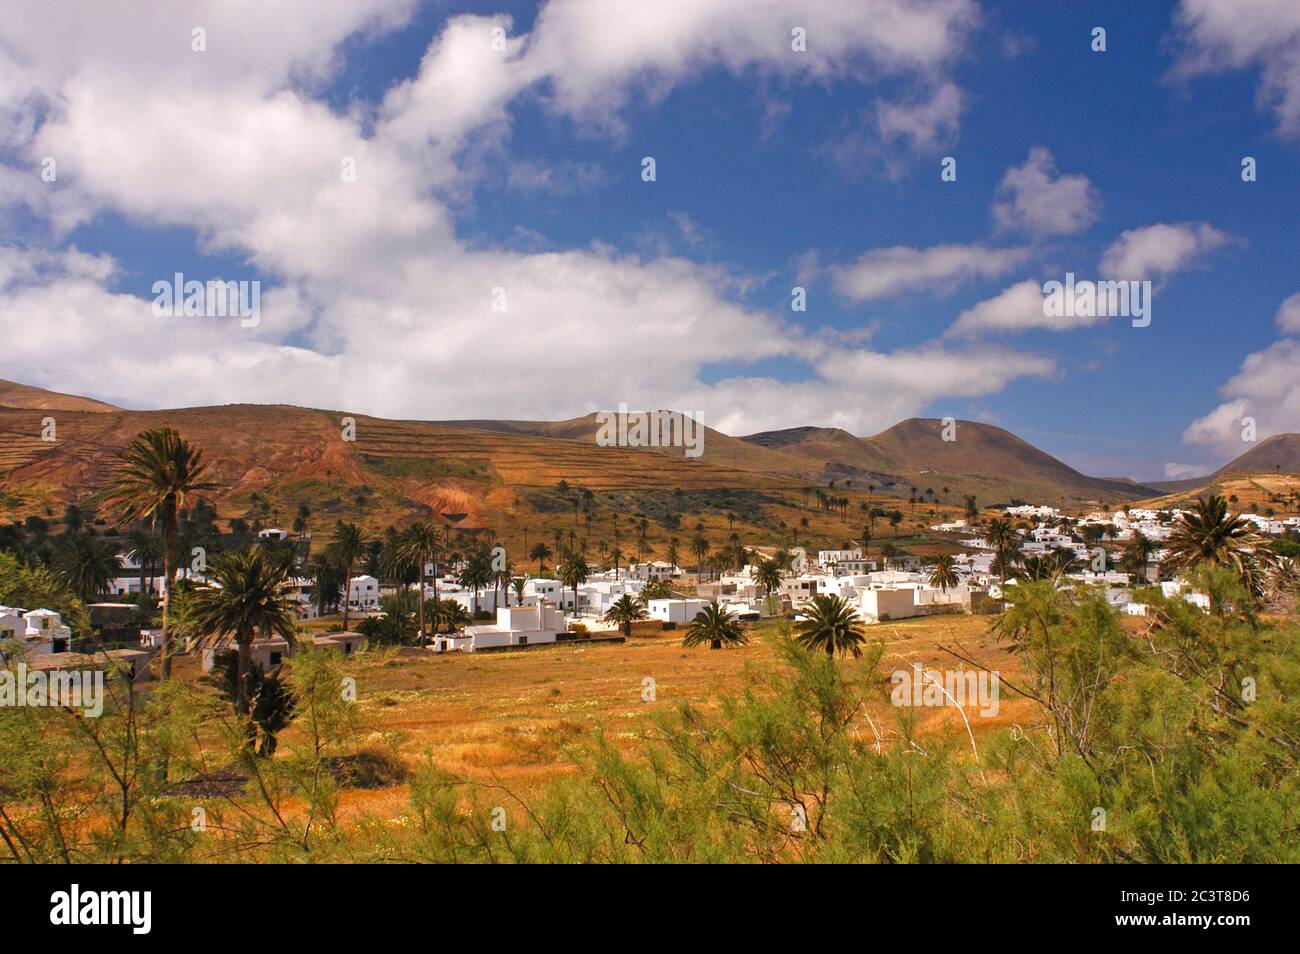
[1172,742]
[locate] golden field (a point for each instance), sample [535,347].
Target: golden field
[522,718]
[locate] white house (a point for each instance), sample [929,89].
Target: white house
[875,606]
[550,590]
[936,596]
[273,533]
[270,653]
[11,623]
[656,570]
[363,594]
[745,611]
[596,597]
[1029,511]
[515,626]
[42,630]
[675,611]
[839,561]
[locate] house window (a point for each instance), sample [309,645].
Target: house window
[523,640]
[276,657]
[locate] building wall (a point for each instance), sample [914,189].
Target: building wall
[878,605]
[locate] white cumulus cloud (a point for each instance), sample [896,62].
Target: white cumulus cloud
[888,271]
[1157,251]
[1034,198]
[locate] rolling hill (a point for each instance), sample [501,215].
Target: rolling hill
[1277,454]
[1259,476]
[23,396]
[516,477]
[987,461]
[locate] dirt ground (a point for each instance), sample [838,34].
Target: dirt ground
[523,717]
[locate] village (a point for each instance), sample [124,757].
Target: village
[1120,552]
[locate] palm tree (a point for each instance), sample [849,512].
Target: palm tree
[300,524]
[887,553]
[86,565]
[574,572]
[159,472]
[833,625]
[1210,534]
[944,573]
[656,590]
[447,613]
[476,574]
[503,577]
[539,553]
[327,584]
[699,547]
[518,584]
[715,626]
[1137,554]
[420,544]
[1041,567]
[767,574]
[673,553]
[348,547]
[247,597]
[1002,536]
[146,550]
[625,611]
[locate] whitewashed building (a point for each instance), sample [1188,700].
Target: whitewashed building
[515,626]
[675,610]
[363,594]
[41,630]
[876,606]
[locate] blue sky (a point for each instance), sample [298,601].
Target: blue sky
[523,172]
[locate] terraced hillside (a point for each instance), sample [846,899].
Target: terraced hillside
[1258,493]
[526,482]
[404,467]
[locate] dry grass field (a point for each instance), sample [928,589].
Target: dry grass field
[522,718]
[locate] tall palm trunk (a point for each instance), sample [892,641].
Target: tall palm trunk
[245,664]
[419,596]
[171,529]
[347,596]
[436,607]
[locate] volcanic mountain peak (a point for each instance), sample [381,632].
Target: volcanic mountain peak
[1279,453]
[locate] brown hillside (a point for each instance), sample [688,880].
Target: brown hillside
[1277,454]
[719,449]
[21,395]
[986,461]
[407,468]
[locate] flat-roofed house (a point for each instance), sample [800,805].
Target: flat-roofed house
[515,626]
[274,652]
[875,606]
[675,611]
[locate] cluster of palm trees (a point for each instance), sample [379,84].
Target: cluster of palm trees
[159,476]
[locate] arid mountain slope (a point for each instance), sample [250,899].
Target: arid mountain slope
[22,395]
[1277,454]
